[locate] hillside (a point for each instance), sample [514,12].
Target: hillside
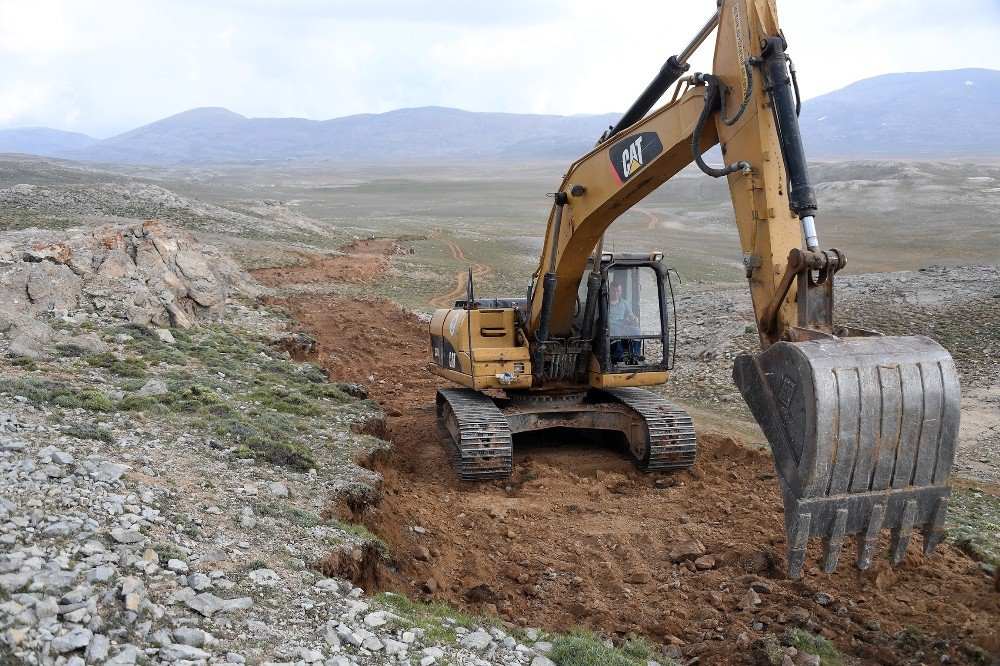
[431,133]
[923,114]
[43,141]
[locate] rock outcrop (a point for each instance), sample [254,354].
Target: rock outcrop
[148,273]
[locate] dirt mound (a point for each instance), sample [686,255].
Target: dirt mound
[579,537]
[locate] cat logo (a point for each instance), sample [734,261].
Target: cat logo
[632,158]
[632,153]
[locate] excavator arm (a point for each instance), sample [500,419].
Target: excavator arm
[863,428]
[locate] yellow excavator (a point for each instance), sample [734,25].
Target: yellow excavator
[863,427]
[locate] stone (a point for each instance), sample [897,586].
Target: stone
[477,640]
[191,636]
[108,472]
[74,640]
[199,582]
[266,577]
[542,661]
[278,489]
[824,599]
[127,536]
[761,587]
[177,651]
[165,335]
[177,566]
[98,650]
[686,550]
[543,646]
[152,388]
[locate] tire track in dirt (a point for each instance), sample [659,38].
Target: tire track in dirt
[479,270]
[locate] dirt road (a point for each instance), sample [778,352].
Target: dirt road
[461,278]
[579,537]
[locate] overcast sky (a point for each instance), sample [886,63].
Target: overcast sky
[103,67]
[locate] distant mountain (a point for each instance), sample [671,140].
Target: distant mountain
[42,141]
[919,115]
[427,133]
[952,113]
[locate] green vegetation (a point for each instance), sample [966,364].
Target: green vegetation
[360,531]
[974,522]
[805,641]
[582,647]
[168,552]
[130,366]
[25,362]
[89,431]
[437,620]
[38,390]
[94,400]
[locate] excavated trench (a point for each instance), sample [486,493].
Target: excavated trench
[578,536]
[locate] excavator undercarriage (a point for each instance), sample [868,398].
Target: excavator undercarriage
[863,428]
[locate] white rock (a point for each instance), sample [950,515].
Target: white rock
[376,619]
[542,661]
[97,651]
[278,489]
[74,640]
[127,536]
[191,636]
[108,472]
[152,388]
[264,577]
[477,640]
[177,651]
[178,566]
[165,336]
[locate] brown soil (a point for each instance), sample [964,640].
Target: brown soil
[448,298]
[579,537]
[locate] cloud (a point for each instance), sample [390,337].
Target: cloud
[107,67]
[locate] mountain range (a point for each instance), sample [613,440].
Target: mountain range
[945,114]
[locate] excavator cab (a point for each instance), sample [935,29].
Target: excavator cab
[635,326]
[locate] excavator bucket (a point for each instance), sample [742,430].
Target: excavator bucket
[863,432]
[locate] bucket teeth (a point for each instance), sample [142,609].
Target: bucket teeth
[934,530]
[863,431]
[868,539]
[901,535]
[797,545]
[834,544]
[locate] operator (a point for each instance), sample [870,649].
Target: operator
[622,321]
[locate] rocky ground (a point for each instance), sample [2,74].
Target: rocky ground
[178,489]
[167,499]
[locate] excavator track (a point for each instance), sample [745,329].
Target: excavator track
[671,441]
[480,438]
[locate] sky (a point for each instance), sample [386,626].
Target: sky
[102,67]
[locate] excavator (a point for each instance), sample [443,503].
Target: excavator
[862,427]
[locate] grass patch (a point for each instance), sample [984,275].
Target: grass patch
[286,452]
[582,647]
[437,620]
[72,350]
[25,362]
[973,523]
[166,552]
[37,390]
[96,401]
[303,518]
[89,431]
[805,641]
[130,366]
[360,531]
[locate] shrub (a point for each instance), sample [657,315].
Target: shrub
[89,431]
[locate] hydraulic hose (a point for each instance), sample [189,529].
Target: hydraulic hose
[712,102]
